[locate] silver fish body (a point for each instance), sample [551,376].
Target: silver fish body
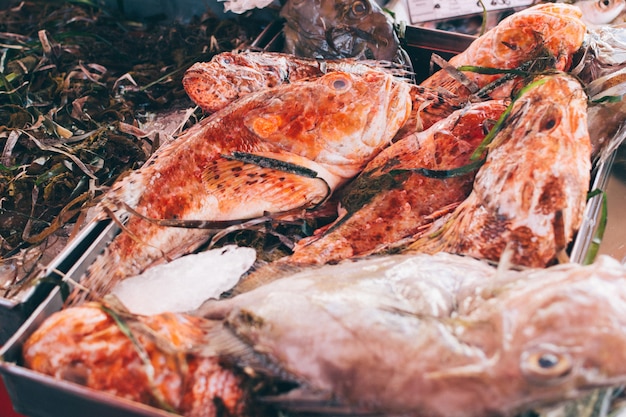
[434,335]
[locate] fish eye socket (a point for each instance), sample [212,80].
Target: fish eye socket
[550,119]
[339,82]
[604,3]
[359,8]
[546,365]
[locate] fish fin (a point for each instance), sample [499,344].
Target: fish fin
[260,189]
[222,340]
[266,274]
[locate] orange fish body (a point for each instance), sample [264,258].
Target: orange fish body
[544,31]
[85,345]
[326,130]
[530,194]
[404,201]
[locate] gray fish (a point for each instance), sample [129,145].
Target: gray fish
[414,335]
[339,29]
[433,335]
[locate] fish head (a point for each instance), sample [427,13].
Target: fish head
[227,76]
[600,12]
[339,29]
[562,334]
[552,29]
[340,120]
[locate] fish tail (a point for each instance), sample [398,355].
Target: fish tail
[99,279]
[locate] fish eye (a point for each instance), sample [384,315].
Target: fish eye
[550,119]
[544,365]
[338,82]
[359,8]
[604,3]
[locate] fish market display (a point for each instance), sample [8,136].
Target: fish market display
[530,194]
[546,35]
[427,335]
[273,151]
[339,29]
[404,188]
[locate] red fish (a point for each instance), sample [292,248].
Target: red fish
[272,151]
[531,192]
[404,188]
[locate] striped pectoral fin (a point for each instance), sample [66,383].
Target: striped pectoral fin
[245,189]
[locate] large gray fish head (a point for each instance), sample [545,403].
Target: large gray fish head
[562,333]
[339,29]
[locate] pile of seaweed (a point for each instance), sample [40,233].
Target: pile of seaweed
[77,83]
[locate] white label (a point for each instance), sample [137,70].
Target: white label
[426,10]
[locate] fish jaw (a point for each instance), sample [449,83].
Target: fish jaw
[230,75]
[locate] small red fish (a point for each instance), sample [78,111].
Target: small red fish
[272,151]
[404,188]
[169,375]
[540,34]
[530,194]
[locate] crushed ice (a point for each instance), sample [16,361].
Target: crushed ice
[185,283]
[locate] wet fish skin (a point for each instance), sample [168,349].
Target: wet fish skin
[338,29]
[530,194]
[333,125]
[435,335]
[411,199]
[554,28]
